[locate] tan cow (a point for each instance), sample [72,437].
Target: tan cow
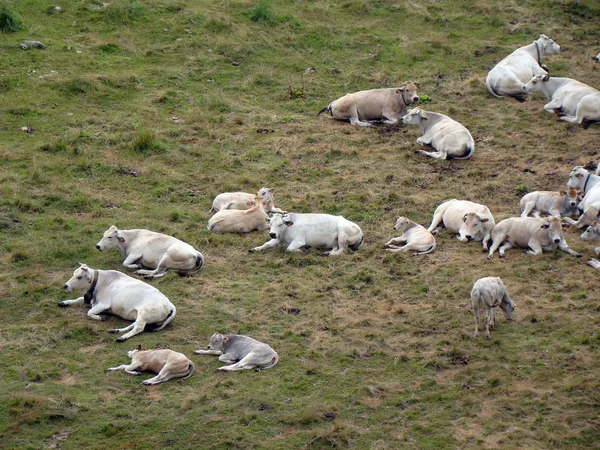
[488,293]
[375,105]
[414,236]
[560,204]
[243,200]
[239,221]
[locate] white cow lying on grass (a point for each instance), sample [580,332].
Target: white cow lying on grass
[471,221]
[313,230]
[241,352]
[538,234]
[570,99]
[243,200]
[487,294]
[114,292]
[592,233]
[509,76]
[375,105]
[560,204]
[589,184]
[160,252]
[166,363]
[239,221]
[414,236]
[596,58]
[447,136]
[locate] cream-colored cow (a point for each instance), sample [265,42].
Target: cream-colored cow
[487,294]
[415,237]
[239,221]
[243,200]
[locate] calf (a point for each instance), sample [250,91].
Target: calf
[159,252]
[471,221]
[538,234]
[488,293]
[586,182]
[589,216]
[558,204]
[241,352]
[570,99]
[114,292]
[592,233]
[364,107]
[243,200]
[447,136]
[414,236]
[508,77]
[239,221]
[166,363]
[313,230]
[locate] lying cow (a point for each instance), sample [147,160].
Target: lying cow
[241,352]
[166,363]
[538,234]
[487,294]
[560,204]
[313,230]
[447,136]
[587,183]
[570,99]
[157,251]
[239,221]
[471,221]
[509,76]
[114,292]
[590,215]
[375,105]
[596,58]
[592,233]
[415,237]
[243,200]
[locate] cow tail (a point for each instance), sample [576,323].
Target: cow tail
[492,91]
[429,250]
[355,247]
[273,362]
[327,108]
[190,371]
[466,155]
[199,261]
[160,325]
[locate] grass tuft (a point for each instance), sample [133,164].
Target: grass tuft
[147,142]
[261,11]
[124,12]
[9,20]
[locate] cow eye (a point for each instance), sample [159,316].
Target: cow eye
[110,237]
[79,278]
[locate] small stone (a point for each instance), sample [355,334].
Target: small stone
[31,44]
[309,70]
[28,130]
[58,9]
[335,70]
[79,51]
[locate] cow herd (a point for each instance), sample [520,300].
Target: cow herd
[152,254]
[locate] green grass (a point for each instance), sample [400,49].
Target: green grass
[158,112]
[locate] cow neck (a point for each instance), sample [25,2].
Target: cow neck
[586,182]
[89,295]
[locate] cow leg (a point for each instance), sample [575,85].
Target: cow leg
[488,312]
[553,106]
[227,358]
[437,219]
[570,119]
[131,259]
[527,208]
[342,245]
[208,352]
[163,375]
[77,301]
[562,245]
[485,240]
[245,363]
[438,155]
[138,327]
[536,249]
[161,269]
[476,315]
[423,140]
[497,241]
[94,312]
[395,241]
[354,120]
[121,330]
[594,263]
[295,246]
[128,368]
[503,247]
[270,244]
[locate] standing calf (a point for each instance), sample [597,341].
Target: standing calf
[415,237]
[487,294]
[241,352]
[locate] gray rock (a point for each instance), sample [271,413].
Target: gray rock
[31,44]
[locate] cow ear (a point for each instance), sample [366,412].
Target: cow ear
[89,278]
[225,339]
[563,193]
[289,223]
[399,91]
[594,223]
[545,226]
[546,78]
[465,218]
[120,237]
[484,220]
[139,348]
[250,203]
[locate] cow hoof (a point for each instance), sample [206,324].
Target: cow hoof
[62,304]
[251,250]
[120,339]
[578,255]
[487,337]
[113,331]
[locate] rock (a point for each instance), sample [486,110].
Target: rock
[335,70]
[309,70]
[31,44]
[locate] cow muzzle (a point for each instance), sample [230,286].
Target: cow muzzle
[99,247]
[273,235]
[415,99]
[469,237]
[557,240]
[66,287]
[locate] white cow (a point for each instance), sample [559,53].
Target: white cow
[384,105]
[538,234]
[313,230]
[592,233]
[509,76]
[471,221]
[239,221]
[114,292]
[166,363]
[243,200]
[447,136]
[560,204]
[596,58]
[489,293]
[160,252]
[587,183]
[570,99]
[414,236]
[241,352]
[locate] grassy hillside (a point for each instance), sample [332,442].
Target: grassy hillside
[140,112]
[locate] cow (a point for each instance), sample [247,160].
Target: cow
[167,364]
[414,236]
[590,215]
[592,233]
[587,183]
[447,136]
[374,105]
[114,292]
[471,221]
[241,352]
[508,77]
[560,204]
[596,58]
[142,248]
[313,230]
[538,234]
[487,294]
[240,221]
[243,200]
[571,100]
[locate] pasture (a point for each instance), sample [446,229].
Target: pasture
[137,113]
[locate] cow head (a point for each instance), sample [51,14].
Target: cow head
[577,178]
[408,91]
[596,58]
[591,233]
[279,223]
[414,116]
[81,279]
[112,238]
[553,228]
[471,227]
[135,351]
[535,84]
[217,342]
[265,197]
[402,224]
[547,46]
[572,197]
[508,308]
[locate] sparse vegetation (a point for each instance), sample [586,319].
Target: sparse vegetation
[9,20]
[143,127]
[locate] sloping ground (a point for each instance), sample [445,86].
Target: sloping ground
[141,112]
